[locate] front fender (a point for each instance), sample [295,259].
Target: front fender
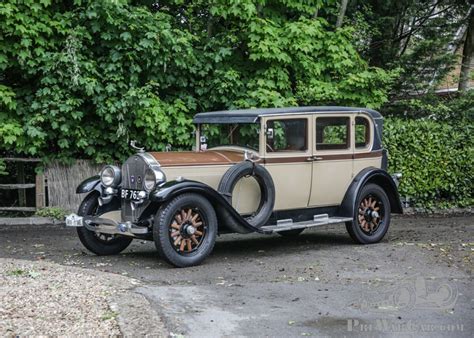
[370,175]
[89,184]
[172,189]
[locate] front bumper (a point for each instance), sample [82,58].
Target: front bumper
[105,225]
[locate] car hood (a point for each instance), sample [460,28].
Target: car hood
[192,158]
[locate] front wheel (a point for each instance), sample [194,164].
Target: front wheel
[98,243]
[185,230]
[371,215]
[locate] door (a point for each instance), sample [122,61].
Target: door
[332,159]
[287,157]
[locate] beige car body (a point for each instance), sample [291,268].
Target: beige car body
[302,179]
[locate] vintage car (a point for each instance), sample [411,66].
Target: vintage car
[278,170]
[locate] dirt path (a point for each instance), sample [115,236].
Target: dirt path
[418,281]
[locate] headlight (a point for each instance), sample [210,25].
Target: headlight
[152,178]
[111,176]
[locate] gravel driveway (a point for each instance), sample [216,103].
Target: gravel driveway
[417,282]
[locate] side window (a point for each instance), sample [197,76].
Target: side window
[362,132]
[332,133]
[287,135]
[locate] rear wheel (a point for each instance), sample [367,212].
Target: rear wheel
[185,230]
[371,215]
[98,243]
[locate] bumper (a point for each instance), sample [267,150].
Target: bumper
[105,225]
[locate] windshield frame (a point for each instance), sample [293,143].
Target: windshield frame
[237,147]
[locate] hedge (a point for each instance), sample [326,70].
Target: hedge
[436,159]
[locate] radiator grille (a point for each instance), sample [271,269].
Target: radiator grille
[133,174]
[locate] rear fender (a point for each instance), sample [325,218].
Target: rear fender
[366,176]
[224,209]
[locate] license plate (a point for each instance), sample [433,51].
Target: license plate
[129,194]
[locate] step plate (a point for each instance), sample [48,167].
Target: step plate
[286,225]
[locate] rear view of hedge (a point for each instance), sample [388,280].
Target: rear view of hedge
[436,159]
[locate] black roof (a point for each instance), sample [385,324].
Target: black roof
[252,115]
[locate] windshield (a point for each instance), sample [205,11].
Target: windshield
[241,134]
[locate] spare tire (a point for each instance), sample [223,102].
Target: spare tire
[267,192]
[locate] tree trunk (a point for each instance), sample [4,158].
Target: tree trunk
[467,55]
[342,13]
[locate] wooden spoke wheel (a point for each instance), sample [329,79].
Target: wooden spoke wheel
[187,230]
[371,215]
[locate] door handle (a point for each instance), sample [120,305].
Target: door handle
[314,158]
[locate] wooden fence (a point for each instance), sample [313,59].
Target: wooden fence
[63,181]
[58,184]
[21,185]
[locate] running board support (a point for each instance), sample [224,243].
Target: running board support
[288,224]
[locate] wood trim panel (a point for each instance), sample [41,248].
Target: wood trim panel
[306,158]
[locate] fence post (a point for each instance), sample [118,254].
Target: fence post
[40,194]
[21,180]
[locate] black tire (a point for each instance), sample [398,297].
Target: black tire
[267,191]
[100,244]
[164,232]
[371,231]
[290,233]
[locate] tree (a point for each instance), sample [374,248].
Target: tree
[468,54]
[412,35]
[81,78]
[342,13]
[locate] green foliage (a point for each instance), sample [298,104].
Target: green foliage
[436,159]
[453,109]
[80,79]
[3,168]
[52,212]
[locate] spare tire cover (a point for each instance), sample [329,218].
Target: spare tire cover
[267,192]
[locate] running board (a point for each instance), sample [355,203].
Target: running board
[288,224]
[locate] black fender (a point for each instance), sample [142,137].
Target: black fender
[370,175]
[89,184]
[225,211]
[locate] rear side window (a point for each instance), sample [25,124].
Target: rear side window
[332,133]
[287,135]
[362,132]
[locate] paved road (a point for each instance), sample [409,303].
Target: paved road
[417,282]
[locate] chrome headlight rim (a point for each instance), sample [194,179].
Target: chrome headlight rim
[111,176]
[153,177]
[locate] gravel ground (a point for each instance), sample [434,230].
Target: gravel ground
[44,298]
